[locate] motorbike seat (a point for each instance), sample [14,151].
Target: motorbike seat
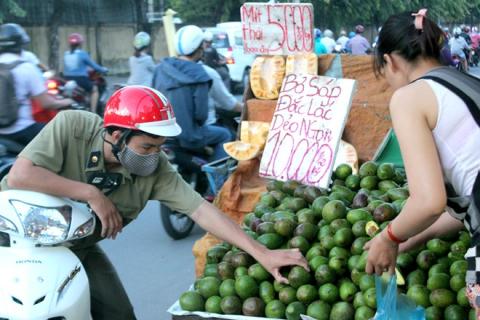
[11,146]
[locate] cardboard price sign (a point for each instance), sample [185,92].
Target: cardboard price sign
[277,29]
[306,129]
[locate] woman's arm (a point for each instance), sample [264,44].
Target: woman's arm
[412,109]
[445,225]
[414,113]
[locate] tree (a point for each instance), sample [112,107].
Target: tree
[206,12]
[334,14]
[54,43]
[10,7]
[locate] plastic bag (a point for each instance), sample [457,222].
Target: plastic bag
[394,306]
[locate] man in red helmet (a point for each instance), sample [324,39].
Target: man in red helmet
[116,166]
[75,67]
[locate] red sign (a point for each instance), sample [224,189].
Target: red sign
[277,29]
[306,129]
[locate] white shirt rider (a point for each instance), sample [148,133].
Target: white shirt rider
[28,82]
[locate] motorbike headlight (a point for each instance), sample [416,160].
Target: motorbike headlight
[7,225]
[46,225]
[85,229]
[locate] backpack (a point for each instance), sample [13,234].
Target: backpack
[8,99]
[467,88]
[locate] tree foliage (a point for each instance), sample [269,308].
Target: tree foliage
[10,7]
[334,14]
[206,12]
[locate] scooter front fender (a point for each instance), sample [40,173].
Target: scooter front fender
[42,282]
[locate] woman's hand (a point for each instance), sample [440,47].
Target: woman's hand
[274,260]
[382,254]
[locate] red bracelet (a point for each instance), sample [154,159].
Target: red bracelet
[391,235]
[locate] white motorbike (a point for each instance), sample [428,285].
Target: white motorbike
[40,278]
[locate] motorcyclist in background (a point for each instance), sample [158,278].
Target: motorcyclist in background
[29,84]
[343,39]
[359,45]
[319,47]
[75,67]
[141,63]
[186,84]
[458,45]
[328,41]
[29,55]
[475,37]
[214,60]
[223,107]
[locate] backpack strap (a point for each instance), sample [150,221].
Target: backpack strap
[12,65]
[454,80]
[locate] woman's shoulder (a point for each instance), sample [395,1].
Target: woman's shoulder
[417,98]
[413,92]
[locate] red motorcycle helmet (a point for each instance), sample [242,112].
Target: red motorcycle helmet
[75,38]
[141,108]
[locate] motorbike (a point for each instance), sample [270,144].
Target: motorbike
[204,177]
[41,278]
[457,61]
[99,80]
[339,49]
[474,57]
[189,166]
[59,88]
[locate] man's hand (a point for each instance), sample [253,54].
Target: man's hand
[213,220]
[108,215]
[274,260]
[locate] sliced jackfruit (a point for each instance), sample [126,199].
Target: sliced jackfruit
[254,132]
[241,151]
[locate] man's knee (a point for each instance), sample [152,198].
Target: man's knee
[226,135]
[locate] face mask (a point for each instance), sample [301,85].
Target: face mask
[138,164]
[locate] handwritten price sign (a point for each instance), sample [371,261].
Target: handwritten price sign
[306,129]
[277,29]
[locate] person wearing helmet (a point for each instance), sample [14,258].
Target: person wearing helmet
[186,84]
[475,37]
[29,84]
[141,63]
[343,39]
[28,55]
[75,67]
[359,45]
[214,60]
[116,165]
[221,102]
[458,46]
[319,47]
[466,34]
[328,41]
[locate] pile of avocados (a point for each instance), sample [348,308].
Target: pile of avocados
[330,227]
